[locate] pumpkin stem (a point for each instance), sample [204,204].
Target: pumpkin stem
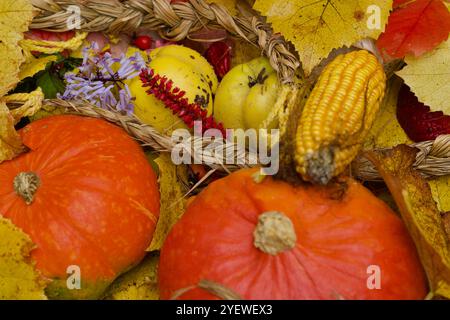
[274,233]
[26,185]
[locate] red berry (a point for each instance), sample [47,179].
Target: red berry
[416,119]
[219,55]
[143,42]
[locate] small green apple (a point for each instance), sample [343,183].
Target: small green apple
[246,95]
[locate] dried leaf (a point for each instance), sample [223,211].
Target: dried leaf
[10,142]
[415,27]
[172,180]
[140,283]
[419,212]
[315,27]
[18,278]
[386,132]
[428,77]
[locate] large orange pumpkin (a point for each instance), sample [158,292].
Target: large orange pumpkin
[86,196]
[271,240]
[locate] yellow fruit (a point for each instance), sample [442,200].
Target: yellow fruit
[185,74]
[260,101]
[190,57]
[246,95]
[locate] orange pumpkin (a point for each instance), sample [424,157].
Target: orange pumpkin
[86,196]
[271,240]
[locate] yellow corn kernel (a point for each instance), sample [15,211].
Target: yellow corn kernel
[338,115]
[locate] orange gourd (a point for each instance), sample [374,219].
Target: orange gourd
[271,240]
[86,196]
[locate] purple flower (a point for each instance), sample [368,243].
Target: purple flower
[97,82]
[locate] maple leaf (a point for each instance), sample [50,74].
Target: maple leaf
[18,278]
[428,77]
[315,27]
[140,283]
[173,203]
[415,27]
[419,213]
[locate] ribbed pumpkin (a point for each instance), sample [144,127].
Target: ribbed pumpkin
[86,196]
[271,240]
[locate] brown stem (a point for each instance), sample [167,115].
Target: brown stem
[274,233]
[26,185]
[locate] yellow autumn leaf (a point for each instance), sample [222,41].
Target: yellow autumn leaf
[172,181]
[386,132]
[15,16]
[428,77]
[419,212]
[10,142]
[315,27]
[34,65]
[11,59]
[140,283]
[18,278]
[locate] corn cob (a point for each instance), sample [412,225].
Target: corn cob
[338,115]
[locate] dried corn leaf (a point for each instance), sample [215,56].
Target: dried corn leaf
[419,212]
[172,181]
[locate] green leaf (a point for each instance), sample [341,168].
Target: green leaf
[50,84]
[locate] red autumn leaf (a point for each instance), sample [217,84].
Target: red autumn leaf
[415,27]
[416,119]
